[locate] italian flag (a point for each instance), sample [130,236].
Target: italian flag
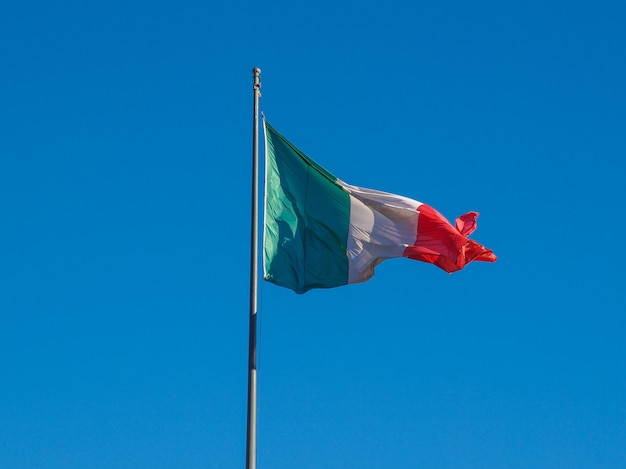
[321,232]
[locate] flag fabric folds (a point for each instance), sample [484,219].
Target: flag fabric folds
[321,232]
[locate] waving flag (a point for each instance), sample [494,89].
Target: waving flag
[321,232]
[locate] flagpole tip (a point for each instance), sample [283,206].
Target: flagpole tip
[256,71]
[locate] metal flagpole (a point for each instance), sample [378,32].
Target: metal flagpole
[251,434]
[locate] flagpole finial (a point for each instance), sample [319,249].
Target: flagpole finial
[256,74]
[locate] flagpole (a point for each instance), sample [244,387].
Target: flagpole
[251,433]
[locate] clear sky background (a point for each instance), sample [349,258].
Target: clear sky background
[125,147]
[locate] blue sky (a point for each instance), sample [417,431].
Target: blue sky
[125,194]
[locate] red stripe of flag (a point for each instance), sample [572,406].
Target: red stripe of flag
[446,246]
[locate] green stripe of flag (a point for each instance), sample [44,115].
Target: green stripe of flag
[307,215]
